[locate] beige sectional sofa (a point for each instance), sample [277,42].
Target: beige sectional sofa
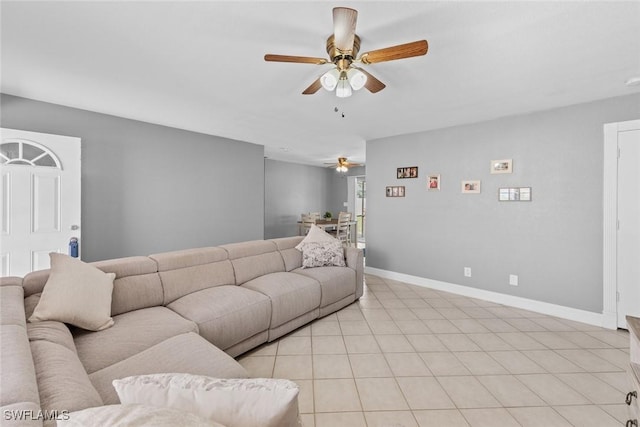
[187,311]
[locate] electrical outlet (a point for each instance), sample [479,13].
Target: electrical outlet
[467,272]
[513,280]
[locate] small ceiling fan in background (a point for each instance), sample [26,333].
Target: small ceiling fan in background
[343,165]
[343,47]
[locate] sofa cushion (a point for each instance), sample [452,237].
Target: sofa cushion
[259,402]
[185,353]
[287,248]
[225,315]
[52,331]
[18,373]
[134,415]
[137,284]
[291,295]
[63,383]
[76,293]
[12,306]
[254,259]
[335,282]
[191,270]
[131,333]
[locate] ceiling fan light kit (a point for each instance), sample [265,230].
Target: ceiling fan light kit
[343,165]
[343,47]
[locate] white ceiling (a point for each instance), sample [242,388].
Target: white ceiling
[199,65]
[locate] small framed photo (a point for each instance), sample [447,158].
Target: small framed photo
[502,166]
[470,187]
[407,172]
[395,191]
[433,182]
[514,194]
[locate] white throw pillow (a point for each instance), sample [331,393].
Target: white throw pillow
[257,402]
[133,415]
[76,293]
[316,235]
[323,254]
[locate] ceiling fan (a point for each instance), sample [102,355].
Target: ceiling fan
[343,165]
[343,47]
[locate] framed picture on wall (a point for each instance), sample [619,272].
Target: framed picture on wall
[395,191]
[433,182]
[407,172]
[470,187]
[502,166]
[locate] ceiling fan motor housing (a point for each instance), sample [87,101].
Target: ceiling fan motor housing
[342,59]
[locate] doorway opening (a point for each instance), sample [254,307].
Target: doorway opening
[361,209]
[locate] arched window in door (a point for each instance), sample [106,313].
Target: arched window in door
[27,153]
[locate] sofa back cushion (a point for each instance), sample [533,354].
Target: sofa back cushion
[254,259]
[287,246]
[137,283]
[191,270]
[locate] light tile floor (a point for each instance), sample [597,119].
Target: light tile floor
[409,356]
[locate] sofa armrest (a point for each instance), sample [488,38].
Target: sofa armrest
[355,260]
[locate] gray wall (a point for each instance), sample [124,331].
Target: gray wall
[553,243]
[149,188]
[292,189]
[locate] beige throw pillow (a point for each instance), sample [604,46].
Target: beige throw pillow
[76,293]
[316,235]
[255,402]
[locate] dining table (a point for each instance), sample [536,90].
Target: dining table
[331,224]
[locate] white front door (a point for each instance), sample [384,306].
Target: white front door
[629,225]
[39,198]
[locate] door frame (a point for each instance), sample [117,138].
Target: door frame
[610,221]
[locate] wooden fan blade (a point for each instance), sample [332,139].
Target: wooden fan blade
[297,59]
[315,86]
[373,85]
[392,53]
[344,28]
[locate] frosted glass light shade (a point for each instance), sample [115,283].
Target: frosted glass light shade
[357,79]
[329,80]
[343,90]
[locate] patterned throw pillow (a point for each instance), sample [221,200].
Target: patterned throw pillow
[322,254]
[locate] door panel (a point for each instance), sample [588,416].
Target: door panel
[46,203]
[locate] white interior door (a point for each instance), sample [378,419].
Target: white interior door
[628,241]
[39,197]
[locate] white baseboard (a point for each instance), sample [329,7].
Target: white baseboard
[597,319]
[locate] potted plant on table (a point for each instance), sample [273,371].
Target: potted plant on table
[327,215]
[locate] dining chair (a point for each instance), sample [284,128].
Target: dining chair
[343,229]
[306,222]
[316,215]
